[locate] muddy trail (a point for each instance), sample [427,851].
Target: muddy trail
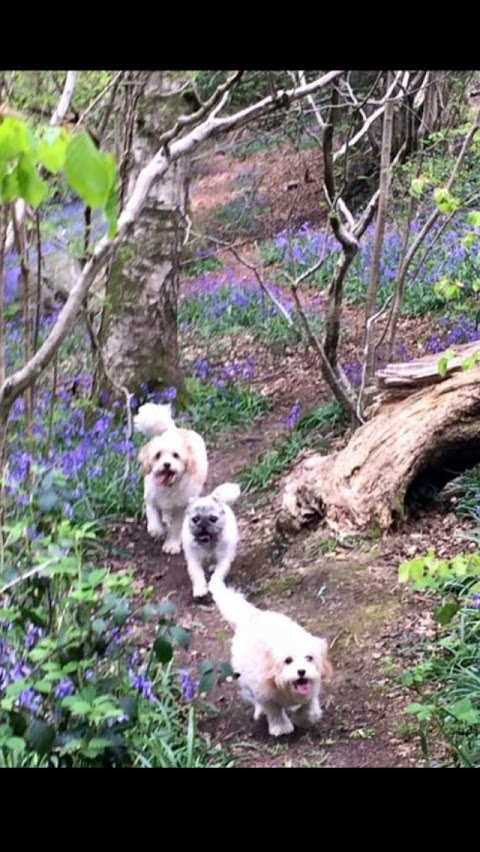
[347,592]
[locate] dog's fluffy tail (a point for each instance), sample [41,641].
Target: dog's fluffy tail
[227,493]
[154,419]
[231,604]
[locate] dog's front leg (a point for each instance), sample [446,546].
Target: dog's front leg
[197,576]
[222,568]
[173,542]
[155,527]
[278,721]
[309,714]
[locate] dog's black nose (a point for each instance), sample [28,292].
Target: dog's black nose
[301,672]
[166,465]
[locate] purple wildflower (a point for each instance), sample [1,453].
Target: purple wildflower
[64,687]
[292,417]
[187,684]
[475,601]
[142,684]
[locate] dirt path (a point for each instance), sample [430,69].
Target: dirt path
[351,596]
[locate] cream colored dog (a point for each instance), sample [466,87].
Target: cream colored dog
[175,467]
[279,665]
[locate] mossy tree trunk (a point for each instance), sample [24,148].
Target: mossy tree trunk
[138,333]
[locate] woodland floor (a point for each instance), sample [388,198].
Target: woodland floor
[346,592]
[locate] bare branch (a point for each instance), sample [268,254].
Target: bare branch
[105,248]
[66,98]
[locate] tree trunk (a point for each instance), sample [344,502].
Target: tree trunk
[138,333]
[430,437]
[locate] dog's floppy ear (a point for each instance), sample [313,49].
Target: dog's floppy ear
[268,668]
[191,460]
[144,459]
[321,659]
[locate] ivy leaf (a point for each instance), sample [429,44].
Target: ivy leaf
[88,171]
[207,682]
[163,649]
[181,636]
[166,608]
[40,736]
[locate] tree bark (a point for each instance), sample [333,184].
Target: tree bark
[138,333]
[432,435]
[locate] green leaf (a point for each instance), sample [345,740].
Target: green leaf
[40,736]
[470,362]
[417,186]
[464,711]
[111,213]
[163,649]
[10,188]
[226,670]
[76,705]
[181,636]
[423,712]
[473,218]
[476,285]
[468,240]
[52,149]
[448,289]
[47,501]
[43,686]
[443,362]
[32,188]
[404,572]
[14,138]
[96,576]
[166,608]
[445,613]
[149,611]
[16,744]
[445,202]
[88,171]
[98,625]
[207,682]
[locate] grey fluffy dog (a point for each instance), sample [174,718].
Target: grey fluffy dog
[210,535]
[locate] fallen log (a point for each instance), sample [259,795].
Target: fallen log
[433,433]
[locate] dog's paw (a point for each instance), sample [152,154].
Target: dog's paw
[280,729]
[307,717]
[258,712]
[155,530]
[200,591]
[172,547]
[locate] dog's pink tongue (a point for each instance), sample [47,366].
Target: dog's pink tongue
[160,478]
[303,688]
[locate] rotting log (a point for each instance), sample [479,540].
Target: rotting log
[434,432]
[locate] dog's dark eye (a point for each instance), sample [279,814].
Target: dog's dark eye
[175,455]
[157,456]
[309,659]
[213,519]
[195,519]
[288,661]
